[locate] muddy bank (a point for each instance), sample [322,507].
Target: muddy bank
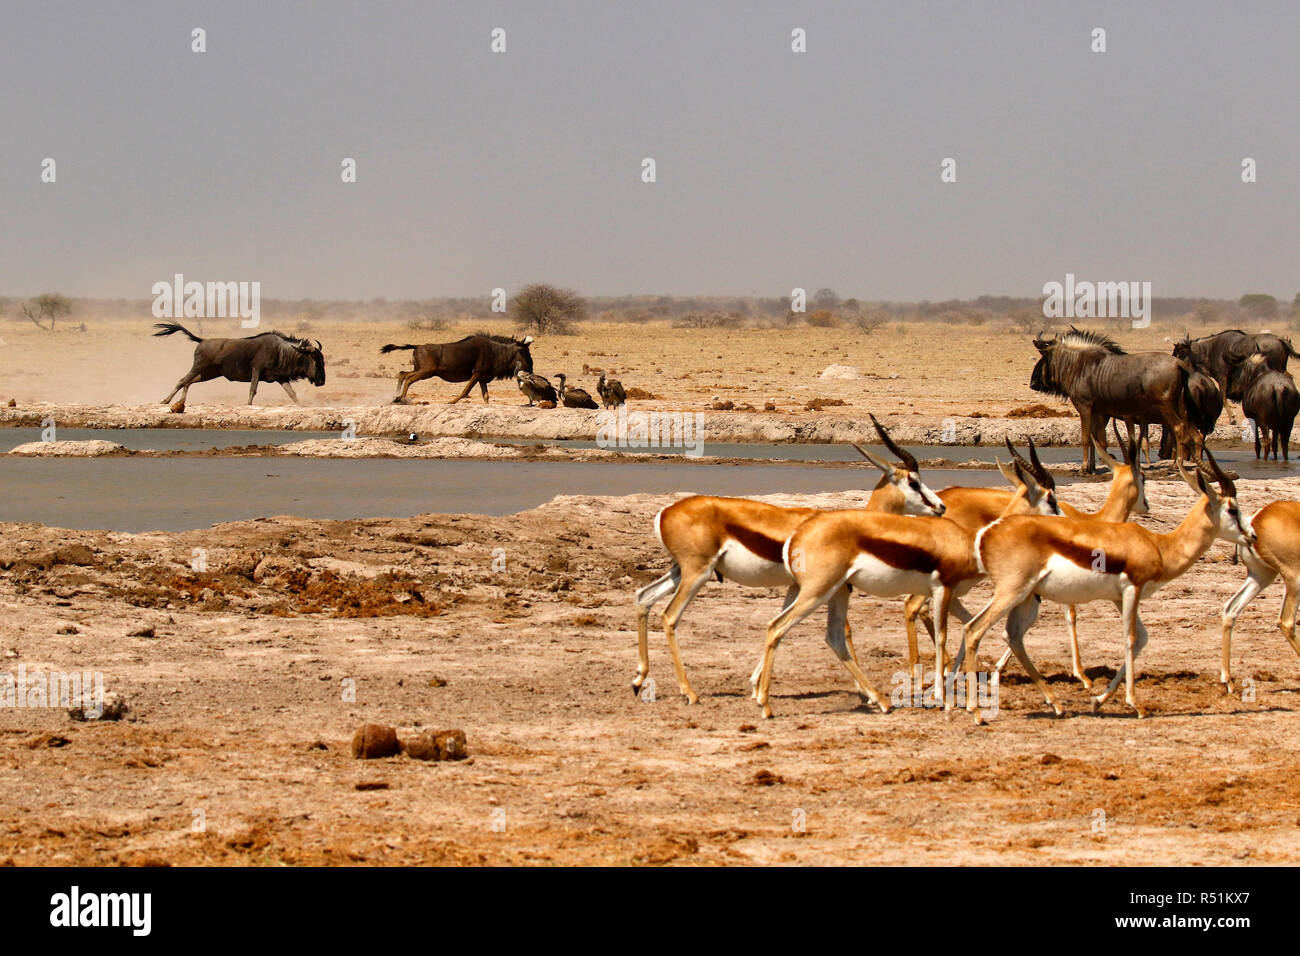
[503,420]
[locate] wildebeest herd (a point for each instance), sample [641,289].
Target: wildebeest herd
[1184,392]
[475,360]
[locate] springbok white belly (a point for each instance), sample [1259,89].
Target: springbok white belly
[878,579]
[746,568]
[1067,583]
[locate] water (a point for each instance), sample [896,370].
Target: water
[164,439]
[176,494]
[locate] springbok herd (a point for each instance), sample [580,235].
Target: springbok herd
[931,548]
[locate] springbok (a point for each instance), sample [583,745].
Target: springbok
[883,555]
[740,540]
[1276,551]
[1127,495]
[973,508]
[1080,560]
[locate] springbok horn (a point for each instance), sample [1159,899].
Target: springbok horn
[1018,459]
[1225,483]
[1042,474]
[908,461]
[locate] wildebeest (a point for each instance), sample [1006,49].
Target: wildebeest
[1270,400]
[476,359]
[1103,381]
[267,357]
[1219,354]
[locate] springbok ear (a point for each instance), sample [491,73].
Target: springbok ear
[1008,472]
[1027,479]
[884,466]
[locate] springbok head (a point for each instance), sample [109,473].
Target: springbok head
[918,499]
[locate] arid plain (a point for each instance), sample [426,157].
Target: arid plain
[520,630]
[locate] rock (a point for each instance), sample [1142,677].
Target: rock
[47,740]
[12,403]
[274,566]
[68,629]
[69,449]
[442,745]
[373,741]
[840,372]
[145,630]
[112,707]
[78,554]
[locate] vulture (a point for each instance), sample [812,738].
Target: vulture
[536,388]
[612,393]
[575,397]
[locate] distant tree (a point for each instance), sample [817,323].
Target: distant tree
[1207,313]
[1259,304]
[823,319]
[852,305]
[1295,306]
[50,306]
[546,310]
[826,298]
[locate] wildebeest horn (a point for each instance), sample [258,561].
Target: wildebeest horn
[905,457]
[319,347]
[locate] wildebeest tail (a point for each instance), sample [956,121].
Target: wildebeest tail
[396,348]
[167,328]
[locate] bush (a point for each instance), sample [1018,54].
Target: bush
[545,310]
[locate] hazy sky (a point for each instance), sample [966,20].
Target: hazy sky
[775,169]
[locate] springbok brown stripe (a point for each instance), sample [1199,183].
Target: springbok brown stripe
[1083,556]
[905,557]
[769,549]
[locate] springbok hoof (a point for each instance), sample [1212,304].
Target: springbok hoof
[1096,705]
[636,689]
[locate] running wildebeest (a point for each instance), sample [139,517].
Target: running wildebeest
[475,360]
[1219,354]
[1270,400]
[267,357]
[1103,381]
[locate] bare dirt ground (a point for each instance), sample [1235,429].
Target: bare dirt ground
[935,383]
[520,630]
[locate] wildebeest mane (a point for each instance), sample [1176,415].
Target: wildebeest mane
[288,360]
[1074,351]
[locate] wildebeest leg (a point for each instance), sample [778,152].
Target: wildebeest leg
[289,388]
[185,383]
[252,386]
[1256,431]
[1085,438]
[483,388]
[473,380]
[411,378]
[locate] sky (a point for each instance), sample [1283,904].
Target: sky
[774,169]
